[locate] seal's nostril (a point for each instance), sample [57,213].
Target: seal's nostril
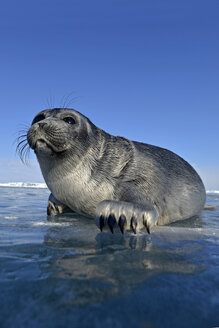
[41,124]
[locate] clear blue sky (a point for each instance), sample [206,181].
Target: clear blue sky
[146,70]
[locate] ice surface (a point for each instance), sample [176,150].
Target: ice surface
[43,185]
[23,185]
[65,273]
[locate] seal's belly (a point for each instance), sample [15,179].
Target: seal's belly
[80,193]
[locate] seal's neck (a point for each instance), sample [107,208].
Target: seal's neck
[57,167]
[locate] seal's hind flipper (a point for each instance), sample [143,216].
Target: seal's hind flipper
[209,208]
[125,215]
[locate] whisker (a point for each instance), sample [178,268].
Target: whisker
[22,131]
[22,148]
[71,101]
[67,99]
[19,144]
[22,136]
[50,101]
[24,153]
[17,140]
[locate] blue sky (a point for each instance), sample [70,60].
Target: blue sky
[146,70]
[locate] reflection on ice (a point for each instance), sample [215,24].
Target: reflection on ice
[119,262]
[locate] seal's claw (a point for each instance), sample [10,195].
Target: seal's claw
[122,223]
[125,215]
[148,229]
[134,224]
[101,223]
[111,221]
[146,224]
[55,207]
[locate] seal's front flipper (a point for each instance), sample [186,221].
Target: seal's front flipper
[55,207]
[125,215]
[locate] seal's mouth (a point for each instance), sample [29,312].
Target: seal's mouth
[42,146]
[47,142]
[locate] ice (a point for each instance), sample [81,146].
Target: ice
[212,191]
[63,272]
[23,185]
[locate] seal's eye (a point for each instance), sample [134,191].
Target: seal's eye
[69,120]
[38,118]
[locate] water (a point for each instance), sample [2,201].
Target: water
[65,273]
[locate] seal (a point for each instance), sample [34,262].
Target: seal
[120,183]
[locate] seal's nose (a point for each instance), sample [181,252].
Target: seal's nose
[42,124]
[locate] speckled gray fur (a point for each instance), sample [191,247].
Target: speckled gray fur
[120,182]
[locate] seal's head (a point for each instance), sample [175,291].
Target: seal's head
[57,131]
